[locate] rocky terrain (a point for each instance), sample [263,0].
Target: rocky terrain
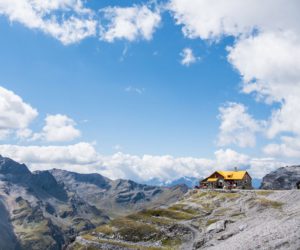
[47,209]
[254,219]
[58,209]
[282,178]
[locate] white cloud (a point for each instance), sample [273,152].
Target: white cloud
[212,19]
[58,128]
[289,147]
[188,57]
[237,126]
[66,20]
[75,157]
[266,53]
[83,157]
[15,114]
[230,158]
[130,23]
[259,167]
[25,133]
[270,67]
[135,90]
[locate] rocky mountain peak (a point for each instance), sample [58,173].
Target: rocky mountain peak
[72,177]
[13,171]
[282,178]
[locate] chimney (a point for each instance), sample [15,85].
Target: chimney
[235,169]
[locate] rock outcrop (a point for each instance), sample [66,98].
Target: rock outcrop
[282,179]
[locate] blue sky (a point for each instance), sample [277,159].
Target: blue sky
[128,94]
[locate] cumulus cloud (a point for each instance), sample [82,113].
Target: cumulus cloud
[129,23]
[288,147]
[212,19]
[24,134]
[66,20]
[188,57]
[15,114]
[58,128]
[270,67]
[237,126]
[266,53]
[75,157]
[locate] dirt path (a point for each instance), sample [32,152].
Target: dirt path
[195,236]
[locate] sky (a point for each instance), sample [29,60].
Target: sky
[150,89]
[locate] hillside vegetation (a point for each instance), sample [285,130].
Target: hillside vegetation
[259,219]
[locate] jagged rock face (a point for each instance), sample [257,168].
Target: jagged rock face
[282,178]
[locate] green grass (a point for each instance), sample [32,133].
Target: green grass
[119,244]
[221,211]
[169,213]
[230,196]
[238,214]
[145,217]
[184,208]
[264,192]
[171,242]
[270,203]
[135,231]
[78,246]
[105,229]
[212,221]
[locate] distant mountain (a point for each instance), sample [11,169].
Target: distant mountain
[282,178]
[46,209]
[190,182]
[116,197]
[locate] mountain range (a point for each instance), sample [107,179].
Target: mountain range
[58,209]
[47,209]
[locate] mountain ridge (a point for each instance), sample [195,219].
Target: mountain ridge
[46,209]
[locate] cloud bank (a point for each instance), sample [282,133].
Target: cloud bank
[83,158]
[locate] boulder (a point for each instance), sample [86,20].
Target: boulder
[217,227]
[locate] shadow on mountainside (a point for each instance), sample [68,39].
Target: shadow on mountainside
[7,235]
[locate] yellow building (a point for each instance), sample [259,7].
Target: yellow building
[228,179]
